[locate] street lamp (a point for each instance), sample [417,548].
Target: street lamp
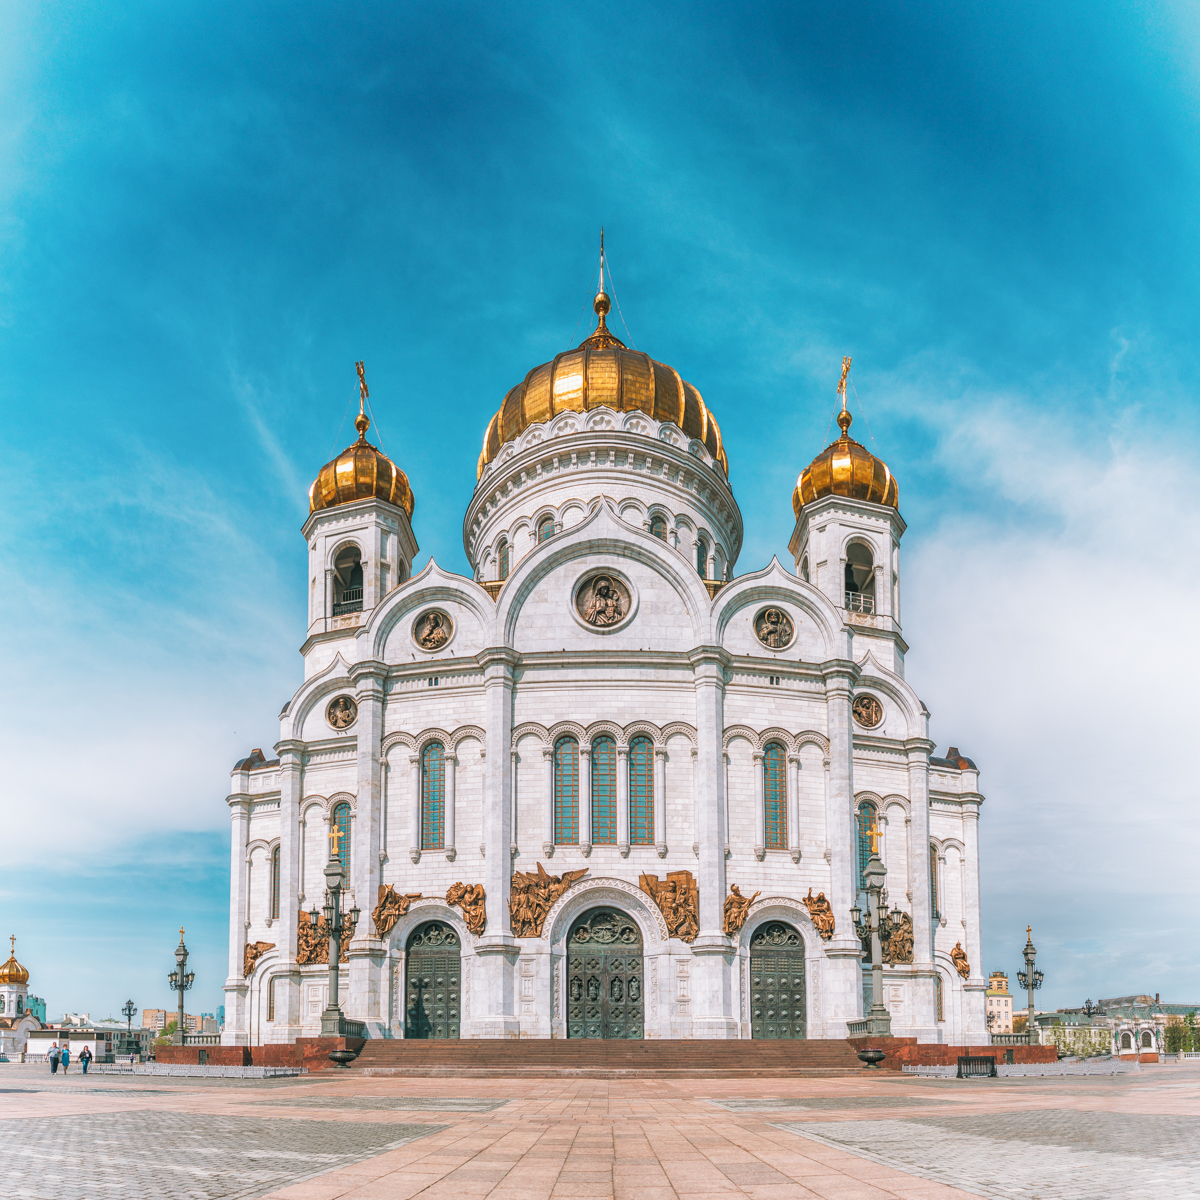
[127,1012]
[332,1021]
[1030,980]
[879,1021]
[180,979]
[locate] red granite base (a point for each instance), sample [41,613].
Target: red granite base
[903,1052]
[312,1053]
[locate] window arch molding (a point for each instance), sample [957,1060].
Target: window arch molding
[334,551]
[546,518]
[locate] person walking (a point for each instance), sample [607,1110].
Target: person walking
[66,1058]
[54,1057]
[85,1057]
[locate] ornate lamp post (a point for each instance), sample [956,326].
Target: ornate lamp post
[127,1012]
[331,911]
[1030,980]
[181,979]
[879,1020]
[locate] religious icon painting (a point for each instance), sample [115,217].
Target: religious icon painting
[342,712]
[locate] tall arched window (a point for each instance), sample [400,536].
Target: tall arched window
[933,887]
[271,998]
[641,792]
[566,792]
[347,581]
[940,996]
[341,822]
[775,796]
[504,554]
[868,831]
[804,568]
[275,884]
[545,528]
[604,791]
[860,578]
[1147,1040]
[433,797]
[702,558]
[658,527]
[1126,1043]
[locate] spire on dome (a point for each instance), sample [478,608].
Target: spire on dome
[602,338]
[362,422]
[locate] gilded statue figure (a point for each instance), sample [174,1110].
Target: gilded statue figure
[898,944]
[603,601]
[774,628]
[736,908]
[471,899]
[821,912]
[868,712]
[958,956]
[532,896]
[678,899]
[312,941]
[390,908]
[341,712]
[433,630]
[252,953]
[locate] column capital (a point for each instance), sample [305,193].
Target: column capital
[839,673]
[291,749]
[498,656]
[710,657]
[239,802]
[368,671]
[547,751]
[918,748]
[660,752]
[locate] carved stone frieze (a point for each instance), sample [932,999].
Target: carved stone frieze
[821,912]
[678,899]
[532,896]
[471,899]
[390,908]
[736,908]
[252,953]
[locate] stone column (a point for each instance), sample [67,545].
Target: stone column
[448,839]
[237,1016]
[414,849]
[548,811]
[623,801]
[493,1008]
[585,800]
[287,989]
[713,953]
[844,989]
[919,870]
[760,815]
[660,800]
[793,806]
[975,988]
[365,984]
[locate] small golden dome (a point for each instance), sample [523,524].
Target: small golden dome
[359,472]
[845,468]
[12,971]
[603,373]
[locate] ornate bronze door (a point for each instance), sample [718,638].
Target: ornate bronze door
[604,977]
[777,982]
[433,982]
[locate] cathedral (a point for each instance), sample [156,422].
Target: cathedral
[606,786]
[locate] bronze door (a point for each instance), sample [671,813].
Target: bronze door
[605,984]
[777,982]
[433,982]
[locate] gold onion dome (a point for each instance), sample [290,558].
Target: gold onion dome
[12,971]
[846,468]
[358,473]
[602,372]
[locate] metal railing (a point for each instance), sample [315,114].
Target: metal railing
[351,602]
[1010,1039]
[860,602]
[201,1039]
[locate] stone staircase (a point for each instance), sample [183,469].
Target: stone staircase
[608,1059]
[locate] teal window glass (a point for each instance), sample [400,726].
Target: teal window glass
[341,822]
[566,792]
[933,888]
[775,796]
[433,797]
[271,999]
[941,998]
[868,827]
[275,884]
[658,527]
[641,792]
[545,528]
[505,559]
[702,559]
[604,791]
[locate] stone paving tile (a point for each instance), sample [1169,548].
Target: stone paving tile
[823,1102]
[389,1103]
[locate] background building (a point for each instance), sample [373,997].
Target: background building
[999,1004]
[17,1020]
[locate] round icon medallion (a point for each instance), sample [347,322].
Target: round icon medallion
[342,712]
[603,601]
[774,628]
[868,712]
[432,629]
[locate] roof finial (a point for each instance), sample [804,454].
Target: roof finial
[12,938]
[844,418]
[601,304]
[362,422]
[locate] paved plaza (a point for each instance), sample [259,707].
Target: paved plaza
[328,1136]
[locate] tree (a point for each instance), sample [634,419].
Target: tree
[164,1038]
[1019,1024]
[1180,1034]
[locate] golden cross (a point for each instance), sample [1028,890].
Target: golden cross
[335,840]
[842,381]
[181,933]
[12,937]
[873,837]
[362,385]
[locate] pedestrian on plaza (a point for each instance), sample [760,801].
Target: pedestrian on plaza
[54,1056]
[85,1057]
[66,1058]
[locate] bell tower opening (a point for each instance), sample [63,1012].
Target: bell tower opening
[860,578]
[347,582]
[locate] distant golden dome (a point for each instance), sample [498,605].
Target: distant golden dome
[359,472]
[845,468]
[12,971]
[603,373]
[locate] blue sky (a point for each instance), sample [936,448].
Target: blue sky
[209,212]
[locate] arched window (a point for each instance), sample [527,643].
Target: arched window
[347,581]
[505,556]
[271,998]
[658,527]
[433,797]
[933,887]
[1,1004]
[940,997]
[1147,1039]
[702,558]
[604,791]
[566,792]
[341,822]
[19,1005]
[775,796]
[860,578]
[275,884]
[804,568]
[1126,1042]
[641,792]
[868,831]
[545,528]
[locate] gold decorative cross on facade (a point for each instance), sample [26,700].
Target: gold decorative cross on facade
[335,840]
[873,838]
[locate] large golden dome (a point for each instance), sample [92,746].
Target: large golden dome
[845,468]
[12,971]
[602,372]
[359,472]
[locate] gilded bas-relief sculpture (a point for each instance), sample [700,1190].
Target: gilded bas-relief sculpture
[736,908]
[252,953]
[821,912]
[678,899]
[471,899]
[533,895]
[390,907]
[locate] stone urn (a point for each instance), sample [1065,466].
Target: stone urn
[343,1058]
[871,1056]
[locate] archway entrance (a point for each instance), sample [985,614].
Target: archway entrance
[605,990]
[433,982]
[777,982]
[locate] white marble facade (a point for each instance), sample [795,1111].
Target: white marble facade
[684,666]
